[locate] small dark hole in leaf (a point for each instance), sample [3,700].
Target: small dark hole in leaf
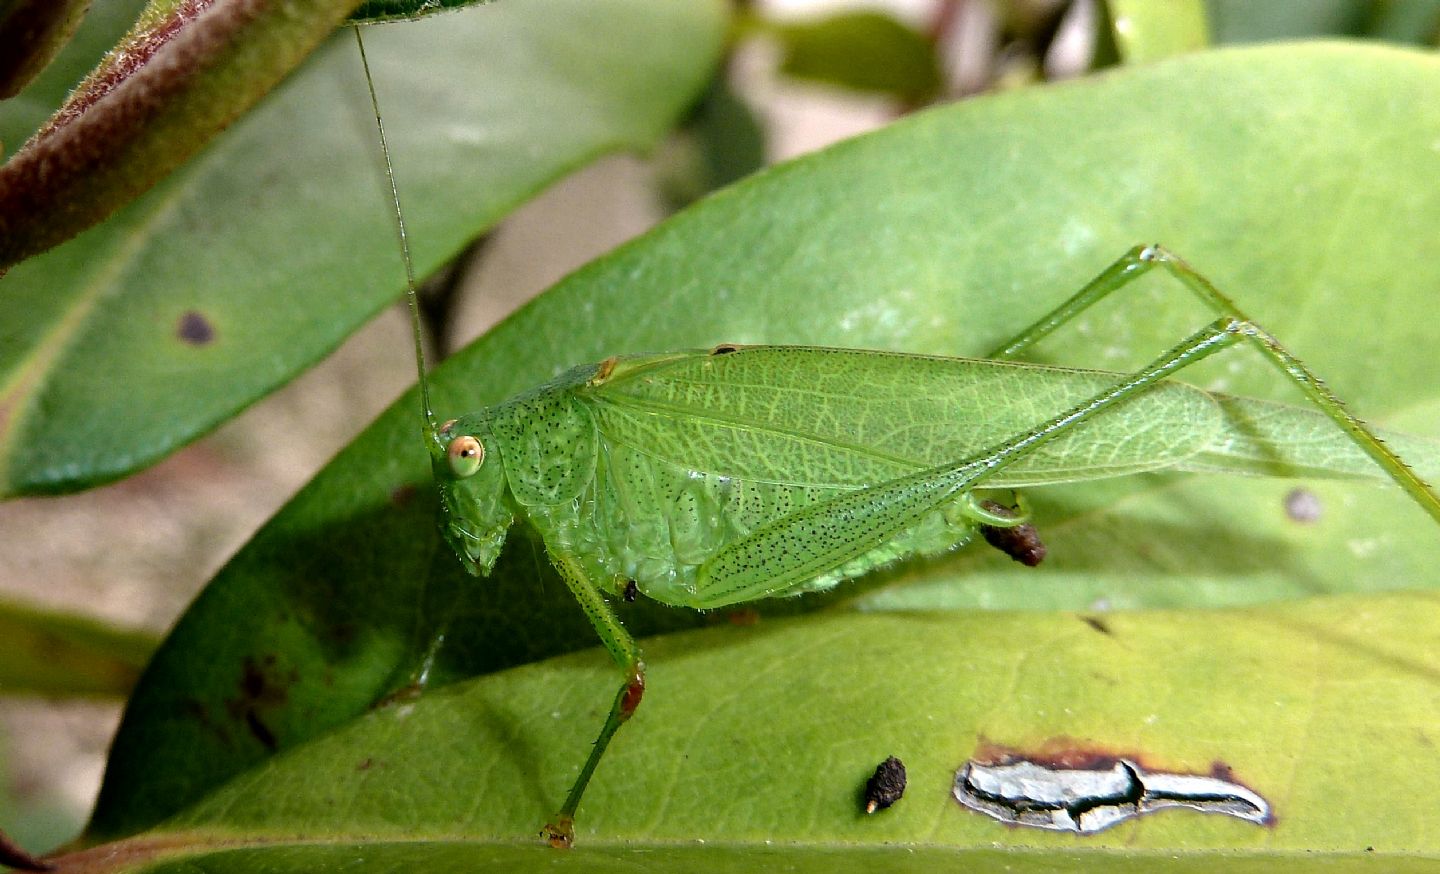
[195,329]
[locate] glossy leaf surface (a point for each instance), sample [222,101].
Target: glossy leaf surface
[1282,698]
[944,233]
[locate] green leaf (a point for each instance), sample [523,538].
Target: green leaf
[1236,21]
[49,653]
[721,143]
[32,32]
[405,10]
[103,27]
[1243,21]
[804,858]
[259,258]
[863,51]
[760,740]
[1146,31]
[1414,21]
[172,84]
[944,233]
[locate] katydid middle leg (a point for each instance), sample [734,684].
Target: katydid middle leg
[1140,261]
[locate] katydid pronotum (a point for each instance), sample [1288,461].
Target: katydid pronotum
[710,478]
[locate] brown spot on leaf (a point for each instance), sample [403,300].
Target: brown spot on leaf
[195,329]
[402,496]
[263,689]
[743,617]
[1055,752]
[260,731]
[1063,752]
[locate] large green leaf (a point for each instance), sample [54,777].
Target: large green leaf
[943,233]
[760,740]
[263,254]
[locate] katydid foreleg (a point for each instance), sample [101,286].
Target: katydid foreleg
[560,831]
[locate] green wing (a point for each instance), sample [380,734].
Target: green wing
[706,460]
[1275,439]
[699,454]
[832,540]
[845,419]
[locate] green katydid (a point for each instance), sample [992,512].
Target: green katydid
[710,478]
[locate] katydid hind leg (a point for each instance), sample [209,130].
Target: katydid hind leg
[1139,261]
[823,537]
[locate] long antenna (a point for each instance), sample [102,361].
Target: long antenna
[410,294]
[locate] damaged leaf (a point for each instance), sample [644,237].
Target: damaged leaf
[1098,795]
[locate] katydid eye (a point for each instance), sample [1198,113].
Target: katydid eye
[465,453]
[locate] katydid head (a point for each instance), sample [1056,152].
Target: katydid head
[471,480]
[475,509]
